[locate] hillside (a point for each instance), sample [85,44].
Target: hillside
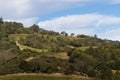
[35,50]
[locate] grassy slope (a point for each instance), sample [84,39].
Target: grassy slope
[34,49]
[41,77]
[62,55]
[16,37]
[114,71]
[86,47]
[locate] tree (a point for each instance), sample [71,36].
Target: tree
[34,28]
[64,33]
[23,65]
[103,71]
[69,69]
[82,36]
[69,53]
[48,67]
[116,76]
[95,36]
[1,21]
[72,34]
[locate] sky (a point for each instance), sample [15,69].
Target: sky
[101,17]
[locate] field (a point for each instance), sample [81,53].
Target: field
[40,77]
[33,49]
[16,37]
[62,55]
[86,47]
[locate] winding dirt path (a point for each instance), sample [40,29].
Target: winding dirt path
[19,45]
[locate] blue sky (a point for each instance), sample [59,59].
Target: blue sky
[101,17]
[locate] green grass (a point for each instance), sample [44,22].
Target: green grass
[16,37]
[40,77]
[86,47]
[34,49]
[114,71]
[61,55]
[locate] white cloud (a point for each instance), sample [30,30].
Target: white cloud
[108,20]
[24,9]
[115,2]
[17,9]
[28,8]
[70,23]
[13,8]
[113,34]
[83,24]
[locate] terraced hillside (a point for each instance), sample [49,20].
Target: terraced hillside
[35,50]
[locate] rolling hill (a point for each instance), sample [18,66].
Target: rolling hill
[35,50]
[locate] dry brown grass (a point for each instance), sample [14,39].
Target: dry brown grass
[62,55]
